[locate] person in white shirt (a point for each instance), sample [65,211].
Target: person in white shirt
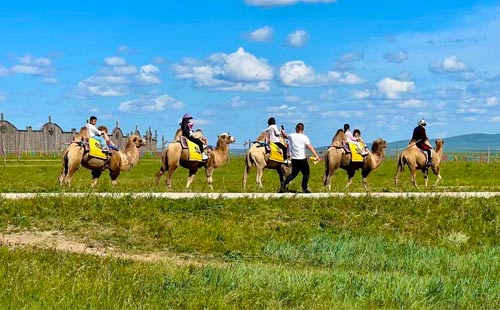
[97,134]
[274,136]
[298,142]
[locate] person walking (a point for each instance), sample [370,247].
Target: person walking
[298,142]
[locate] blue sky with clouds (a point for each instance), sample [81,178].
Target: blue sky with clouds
[378,65]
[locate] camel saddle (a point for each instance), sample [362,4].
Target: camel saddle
[97,150]
[276,153]
[194,151]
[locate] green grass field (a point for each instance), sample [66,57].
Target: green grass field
[419,253]
[41,176]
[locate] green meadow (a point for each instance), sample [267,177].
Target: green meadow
[301,253]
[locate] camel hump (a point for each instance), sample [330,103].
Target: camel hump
[339,138]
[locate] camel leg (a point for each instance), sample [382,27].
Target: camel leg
[350,175]
[398,173]
[114,175]
[327,179]
[159,174]
[248,168]
[192,173]
[426,176]
[95,176]
[209,172]
[438,175]
[169,176]
[365,174]
[413,176]
[258,178]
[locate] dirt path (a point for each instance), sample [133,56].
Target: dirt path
[255,195]
[54,240]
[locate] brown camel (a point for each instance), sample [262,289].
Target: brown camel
[257,156]
[416,160]
[175,156]
[76,155]
[336,157]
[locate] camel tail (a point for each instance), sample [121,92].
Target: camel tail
[164,162]
[249,161]
[65,163]
[401,162]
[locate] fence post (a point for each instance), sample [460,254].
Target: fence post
[488,157]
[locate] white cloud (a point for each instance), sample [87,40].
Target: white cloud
[3,97]
[150,104]
[449,65]
[147,75]
[264,34]
[412,103]
[297,38]
[392,88]
[237,102]
[492,101]
[228,72]
[271,3]
[495,119]
[396,57]
[33,66]
[297,73]
[3,71]
[114,61]
[49,80]
[115,79]
[362,94]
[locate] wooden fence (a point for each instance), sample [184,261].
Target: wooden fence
[51,138]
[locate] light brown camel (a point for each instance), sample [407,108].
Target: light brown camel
[336,157]
[175,156]
[75,156]
[257,156]
[416,160]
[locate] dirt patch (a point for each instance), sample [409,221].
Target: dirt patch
[55,240]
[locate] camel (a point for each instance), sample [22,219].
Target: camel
[175,156]
[336,157]
[257,156]
[76,155]
[416,160]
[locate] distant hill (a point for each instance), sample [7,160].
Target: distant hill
[475,142]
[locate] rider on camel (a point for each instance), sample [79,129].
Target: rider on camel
[188,132]
[420,138]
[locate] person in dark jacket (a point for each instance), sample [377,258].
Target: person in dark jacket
[420,138]
[188,132]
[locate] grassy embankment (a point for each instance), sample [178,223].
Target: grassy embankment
[284,253]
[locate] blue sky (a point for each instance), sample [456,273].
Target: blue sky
[378,65]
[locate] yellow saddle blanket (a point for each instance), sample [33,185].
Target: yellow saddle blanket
[276,153]
[194,151]
[355,154]
[95,149]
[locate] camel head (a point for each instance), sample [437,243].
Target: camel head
[339,137]
[379,145]
[137,141]
[226,137]
[103,128]
[439,144]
